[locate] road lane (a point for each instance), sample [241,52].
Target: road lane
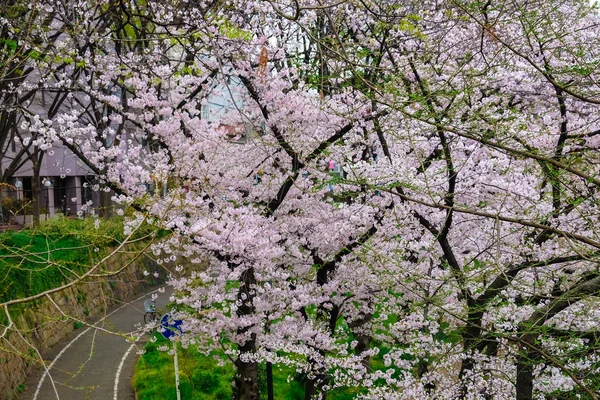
[92,363]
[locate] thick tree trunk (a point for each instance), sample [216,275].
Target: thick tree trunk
[526,360]
[313,388]
[361,330]
[364,344]
[524,379]
[310,389]
[246,379]
[471,338]
[270,394]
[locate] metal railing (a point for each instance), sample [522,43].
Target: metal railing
[17,204]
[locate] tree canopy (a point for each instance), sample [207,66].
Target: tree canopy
[415,181]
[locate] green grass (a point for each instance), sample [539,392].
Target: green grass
[286,383]
[32,262]
[199,376]
[202,378]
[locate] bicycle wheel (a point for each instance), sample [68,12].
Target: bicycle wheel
[150,317]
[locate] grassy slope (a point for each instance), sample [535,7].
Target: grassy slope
[32,261]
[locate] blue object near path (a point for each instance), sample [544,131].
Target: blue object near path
[170,327]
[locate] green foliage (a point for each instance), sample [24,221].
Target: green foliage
[11,207]
[233,32]
[447,335]
[36,260]
[10,45]
[207,380]
[107,233]
[342,394]
[32,262]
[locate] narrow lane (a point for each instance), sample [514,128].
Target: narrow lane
[92,363]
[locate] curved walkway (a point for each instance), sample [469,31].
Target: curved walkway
[91,363]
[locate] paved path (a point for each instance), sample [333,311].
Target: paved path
[91,364]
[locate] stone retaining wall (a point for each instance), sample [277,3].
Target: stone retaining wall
[41,325]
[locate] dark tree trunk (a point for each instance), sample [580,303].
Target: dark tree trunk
[524,379]
[471,338]
[526,361]
[361,330]
[246,379]
[313,388]
[270,394]
[310,389]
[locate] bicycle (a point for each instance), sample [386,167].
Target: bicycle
[151,316]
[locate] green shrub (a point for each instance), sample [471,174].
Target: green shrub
[185,387]
[12,207]
[205,381]
[221,394]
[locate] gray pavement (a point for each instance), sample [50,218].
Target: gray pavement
[93,364]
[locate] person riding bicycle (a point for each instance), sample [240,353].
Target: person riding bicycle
[151,314]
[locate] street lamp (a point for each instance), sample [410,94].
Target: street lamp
[19,186]
[47,184]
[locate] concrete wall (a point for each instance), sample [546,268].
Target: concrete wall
[43,326]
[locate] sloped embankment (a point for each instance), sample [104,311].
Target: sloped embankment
[34,262]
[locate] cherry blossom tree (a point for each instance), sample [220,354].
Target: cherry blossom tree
[414,183]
